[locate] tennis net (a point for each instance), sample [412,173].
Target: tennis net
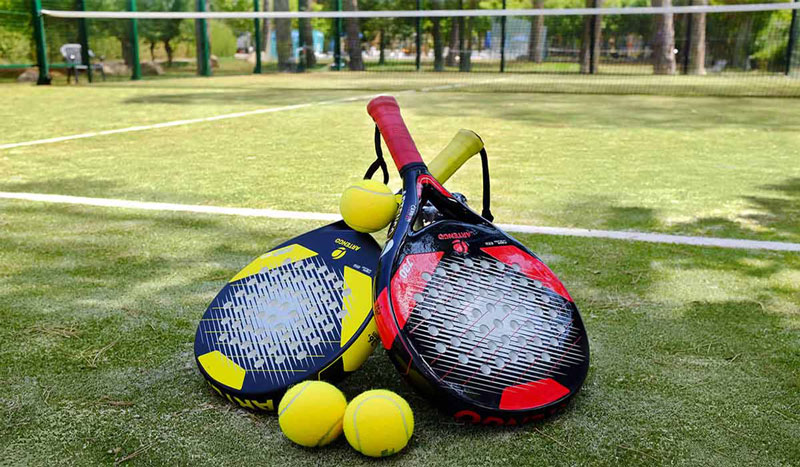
[694,48]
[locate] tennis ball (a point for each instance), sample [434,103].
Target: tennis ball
[310,413]
[378,423]
[367,206]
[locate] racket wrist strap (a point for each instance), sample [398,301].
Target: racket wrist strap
[379,162]
[487,211]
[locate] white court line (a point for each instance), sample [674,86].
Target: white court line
[233,115]
[121,203]
[529,229]
[183,122]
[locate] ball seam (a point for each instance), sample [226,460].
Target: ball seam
[378,396]
[288,404]
[371,192]
[338,420]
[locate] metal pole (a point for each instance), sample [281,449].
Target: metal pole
[687,48]
[792,41]
[41,44]
[592,32]
[337,40]
[83,34]
[137,67]
[503,41]
[419,36]
[203,61]
[257,32]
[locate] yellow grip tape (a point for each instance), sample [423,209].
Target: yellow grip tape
[461,148]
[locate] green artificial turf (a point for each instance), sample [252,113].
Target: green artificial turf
[691,165]
[695,356]
[694,351]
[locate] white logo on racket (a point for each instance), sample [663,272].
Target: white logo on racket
[405,269]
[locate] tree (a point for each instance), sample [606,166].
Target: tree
[697,39]
[382,46]
[664,41]
[465,38]
[266,24]
[590,41]
[162,30]
[452,52]
[16,43]
[283,37]
[307,33]
[385,31]
[353,39]
[535,46]
[438,45]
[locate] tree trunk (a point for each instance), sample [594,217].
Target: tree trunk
[465,42]
[168,49]
[266,26]
[452,53]
[741,50]
[382,46]
[438,45]
[535,45]
[127,54]
[283,37]
[697,39]
[308,33]
[590,43]
[664,41]
[353,41]
[153,51]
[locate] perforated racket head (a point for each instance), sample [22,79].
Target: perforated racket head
[473,318]
[301,311]
[469,315]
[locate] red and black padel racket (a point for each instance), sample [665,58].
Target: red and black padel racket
[469,315]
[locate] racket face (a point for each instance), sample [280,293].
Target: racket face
[475,319]
[300,311]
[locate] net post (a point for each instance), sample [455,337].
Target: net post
[337,40]
[419,36]
[134,36]
[792,41]
[503,40]
[201,35]
[41,44]
[83,34]
[257,32]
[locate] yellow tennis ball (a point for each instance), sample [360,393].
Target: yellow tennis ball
[310,413]
[378,423]
[367,206]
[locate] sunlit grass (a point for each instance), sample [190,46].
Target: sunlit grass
[694,350]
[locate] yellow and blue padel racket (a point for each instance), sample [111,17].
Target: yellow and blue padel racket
[301,311]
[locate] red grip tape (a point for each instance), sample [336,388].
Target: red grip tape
[386,113]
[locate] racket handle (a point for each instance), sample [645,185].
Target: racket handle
[461,148]
[386,113]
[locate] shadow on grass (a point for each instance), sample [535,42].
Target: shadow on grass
[133,284]
[560,110]
[100,271]
[778,214]
[61,186]
[256,96]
